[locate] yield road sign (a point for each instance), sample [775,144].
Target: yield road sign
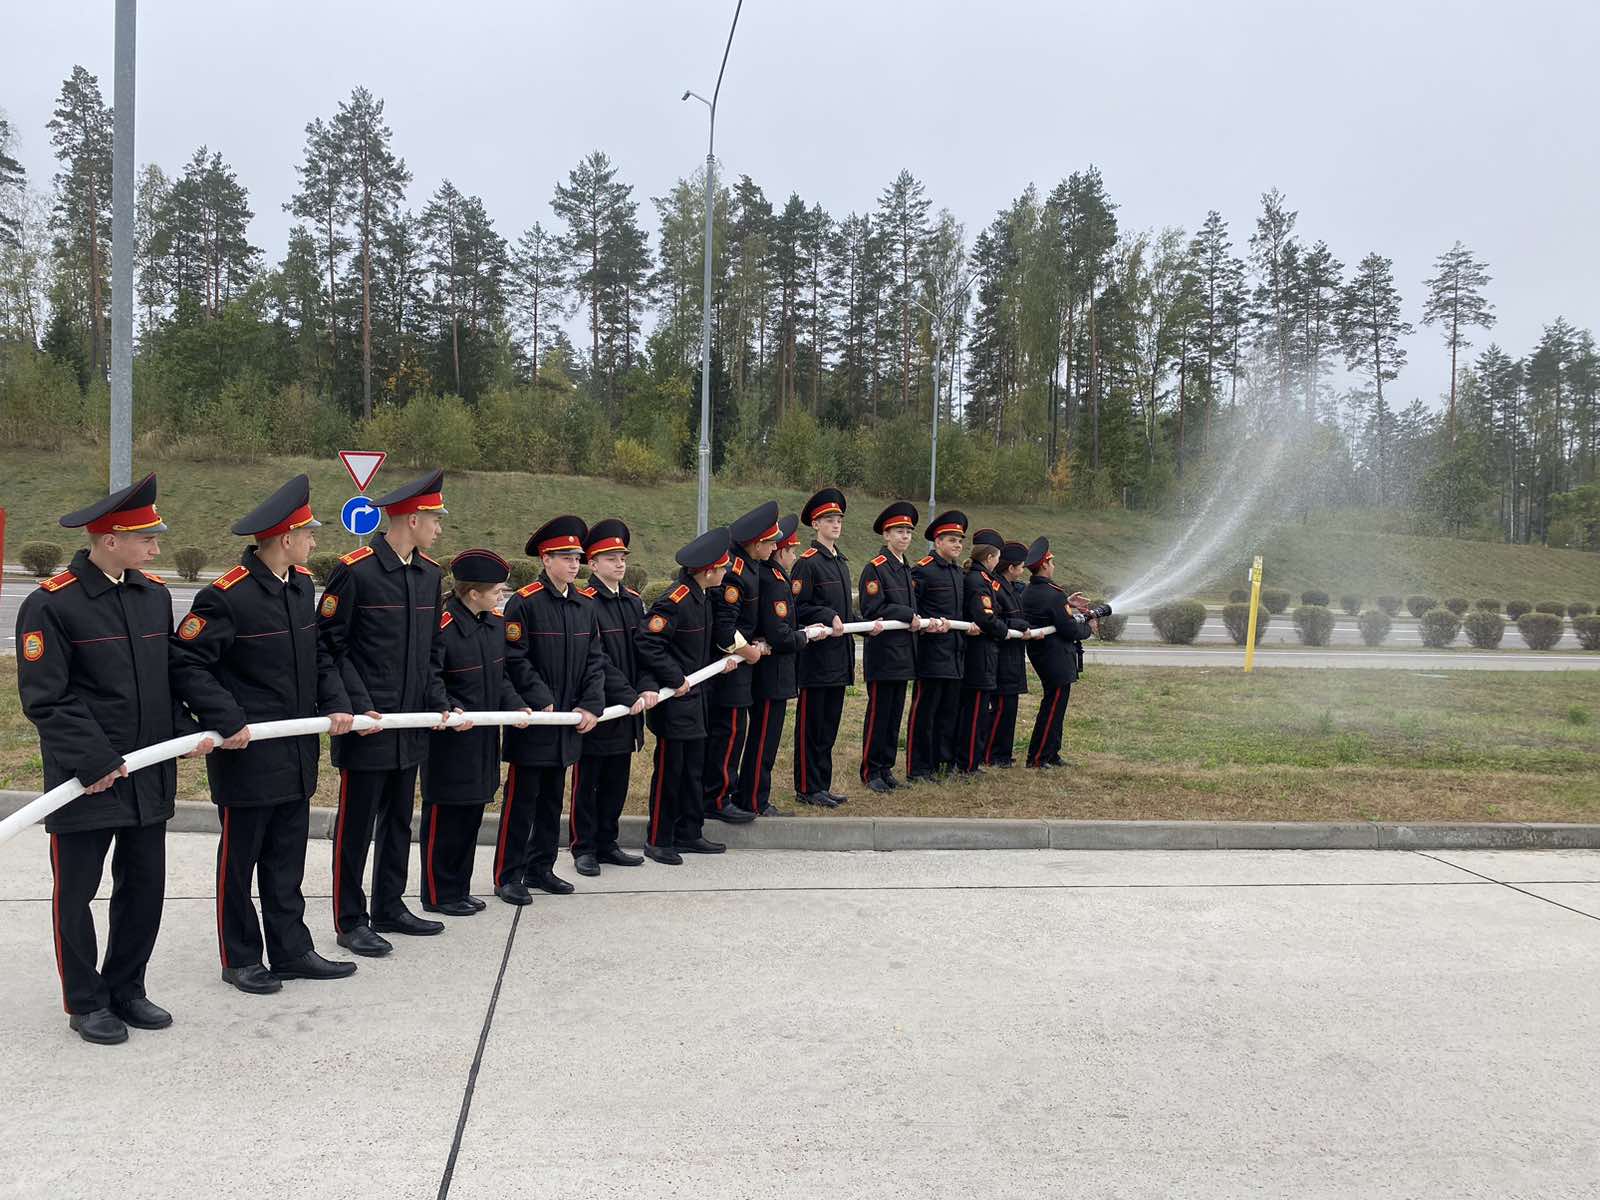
[362,465]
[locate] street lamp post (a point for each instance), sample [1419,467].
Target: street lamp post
[703,500]
[121,466]
[938,318]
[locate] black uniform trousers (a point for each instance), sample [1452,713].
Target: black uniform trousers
[1003,732]
[931,730]
[449,840]
[599,791]
[1044,747]
[374,807]
[724,745]
[816,727]
[760,752]
[266,842]
[530,823]
[973,722]
[138,887]
[677,812]
[880,728]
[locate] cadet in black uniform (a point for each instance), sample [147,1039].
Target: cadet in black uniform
[822,588]
[92,650]
[462,770]
[937,583]
[888,661]
[378,620]
[1011,676]
[248,651]
[773,678]
[1057,659]
[980,589]
[552,647]
[676,640]
[600,780]
[754,536]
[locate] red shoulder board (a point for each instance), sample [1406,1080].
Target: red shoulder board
[302,570]
[434,561]
[924,560]
[356,555]
[809,552]
[631,592]
[994,585]
[56,582]
[445,618]
[531,589]
[586,591]
[778,575]
[499,612]
[224,582]
[880,560]
[738,565]
[154,578]
[678,593]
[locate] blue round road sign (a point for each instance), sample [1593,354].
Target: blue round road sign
[359,516]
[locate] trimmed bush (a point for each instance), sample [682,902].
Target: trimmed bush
[322,566]
[1484,629]
[1239,596]
[1458,605]
[1374,625]
[1178,623]
[1439,627]
[523,572]
[1314,624]
[1588,631]
[1315,598]
[635,577]
[1554,607]
[1516,608]
[1237,618]
[190,561]
[1111,627]
[1540,630]
[651,592]
[1579,609]
[1351,604]
[39,558]
[1389,605]
[634,462]
[1418,605]
[1276,600]
[1486,605]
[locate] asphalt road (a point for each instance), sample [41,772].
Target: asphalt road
[782,1025]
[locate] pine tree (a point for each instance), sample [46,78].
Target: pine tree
[321,201]
[599,214]
[13,183]
[1316,306]
[1455,300]
[1369,322]
[902,222]
[1272,253]
[80,131]
[1220,284]
[539,282]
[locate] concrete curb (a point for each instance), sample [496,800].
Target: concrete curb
[973,833]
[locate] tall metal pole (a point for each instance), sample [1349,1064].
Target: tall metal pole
[933,459]
[122,251]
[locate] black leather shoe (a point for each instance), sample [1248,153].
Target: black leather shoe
[879,785]
[616,856]
[665,855]
[772,810]
[513,893]
[312,965]
[548,881]
[731,815]
[477,904]
[141,1013]
[700,845]
[1002,763]
[255,979]
[888,778]
[586,864]
[403,920]
[919,777]
[361,940]
[838,798]
[816,799]
[452,908]
[102,1027]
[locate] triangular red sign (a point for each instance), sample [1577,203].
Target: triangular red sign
[362,465]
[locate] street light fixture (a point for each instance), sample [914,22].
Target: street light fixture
[939,319]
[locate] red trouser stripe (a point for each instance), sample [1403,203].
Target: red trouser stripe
[727,755]
[338,848]
[55,916]
[972,739]
[994,730]
[1055,700]
[911,726]
[572,815]
[800,746]
[222,886]
[431,812]
[761,759]
[505,821]
[866,737]
[655,793]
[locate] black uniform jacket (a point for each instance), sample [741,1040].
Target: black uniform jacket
[981,591]
[553,656]
[1011,677]
[734,605]
[378,620]
[821,587]
[885,594]
[1057,659]
[248,651]
[676,639]
[92,674]
[470,657]
[620,615]
[937,586]
[773,678]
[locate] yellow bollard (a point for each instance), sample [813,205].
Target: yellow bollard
[1255,605]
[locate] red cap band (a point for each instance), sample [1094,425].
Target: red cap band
[427,502]
[721,562]
[1034,566]
[601,547]
[300,516]
[762,537]
[897,522]
[129,520]
[941,530]
[824,510]
[566,541]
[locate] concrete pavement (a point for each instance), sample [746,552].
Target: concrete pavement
[768,1024]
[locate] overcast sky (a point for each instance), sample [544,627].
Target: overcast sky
[1391,125]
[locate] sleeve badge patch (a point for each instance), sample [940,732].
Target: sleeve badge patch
[33,645]
[872,587]
[513,631]
[781,607]
[730,595]
[795,587]
[987,605]
[330,605]
[190,627]
[656,623]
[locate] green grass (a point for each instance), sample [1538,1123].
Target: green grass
[1100,551]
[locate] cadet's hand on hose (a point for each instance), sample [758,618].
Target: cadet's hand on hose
[838,628]
[237,741]
[205,747]
[100,785]
[750,653]
[524,724]
[731,664]
[639,706]
[650,699]
[586,720]
[373,729]
[973,630]
[877,628]
[340,722]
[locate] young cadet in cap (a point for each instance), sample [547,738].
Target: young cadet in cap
[676,640]
[1011,675]
[462,770]
[888,661]
[822,595]
[248,651]
[552,649]
[1057,659]
[937,584]
[379,620]
[773,678]
[600,780]
[92,657]
[754,535]
[976,716]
